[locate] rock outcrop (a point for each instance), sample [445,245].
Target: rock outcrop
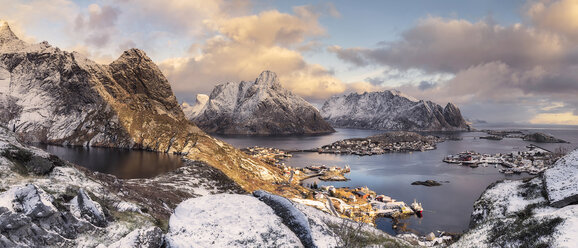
[261,107]
[528,213]
[52,96]
[391,110]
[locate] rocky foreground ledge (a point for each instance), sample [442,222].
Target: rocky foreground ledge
[45,201]
[538,212]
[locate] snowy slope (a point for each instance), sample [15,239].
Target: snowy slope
[228,221]
[262,107]
[562,181]
[195,109]
[518,213]
[390,110]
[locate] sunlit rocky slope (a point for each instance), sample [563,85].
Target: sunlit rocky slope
[52,96]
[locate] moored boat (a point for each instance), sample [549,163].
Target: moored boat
[416,207]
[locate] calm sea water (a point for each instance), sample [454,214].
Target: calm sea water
[447,207]
[121,163]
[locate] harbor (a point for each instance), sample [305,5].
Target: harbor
[359,204]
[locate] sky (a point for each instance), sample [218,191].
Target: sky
[499,61]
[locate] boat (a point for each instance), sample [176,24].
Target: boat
[474,165]
[416,207]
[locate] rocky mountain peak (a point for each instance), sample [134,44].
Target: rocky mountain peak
[6,33]
[133,55]
[262,107]
[267,78]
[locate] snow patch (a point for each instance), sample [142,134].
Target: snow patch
[561,180]
[227,220]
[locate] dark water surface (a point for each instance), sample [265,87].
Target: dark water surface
[447,207]
[119,162]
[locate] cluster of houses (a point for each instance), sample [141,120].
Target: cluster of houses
[533,161]
[364,147]
[272,156]
[360,204]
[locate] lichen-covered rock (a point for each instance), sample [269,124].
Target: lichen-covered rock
[262,107]
[391,110]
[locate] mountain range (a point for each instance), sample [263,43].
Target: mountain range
[391,110]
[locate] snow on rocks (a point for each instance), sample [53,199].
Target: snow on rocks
[227,220]
[260,107]
[562,181]
[195,109]
[151,237]
[291,216]
[517,213]
[83,207]
[390,110]
[28,200]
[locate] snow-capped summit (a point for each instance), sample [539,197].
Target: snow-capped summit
[8,40]
[6,34]
[195,109]
[261,107]
[391,110]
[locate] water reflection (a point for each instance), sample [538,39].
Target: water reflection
[119,162]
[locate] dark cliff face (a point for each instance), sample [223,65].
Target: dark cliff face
[262,107]
[391,110]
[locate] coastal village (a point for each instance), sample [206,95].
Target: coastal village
[383,143]
[533,161]
[359,204]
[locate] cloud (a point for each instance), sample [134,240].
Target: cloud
[425,85]
[559,17]
[566,118]
[491,64]
[440,45]
[244,46]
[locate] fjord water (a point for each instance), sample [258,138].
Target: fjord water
[122,163]
[447,207]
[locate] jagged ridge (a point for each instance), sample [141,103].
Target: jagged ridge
[391,110]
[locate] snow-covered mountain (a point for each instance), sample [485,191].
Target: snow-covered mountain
[195,109]
[391,110]
[261,107]
[52,96]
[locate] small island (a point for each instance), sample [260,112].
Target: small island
[542,138]
[399,141]
[427,183]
